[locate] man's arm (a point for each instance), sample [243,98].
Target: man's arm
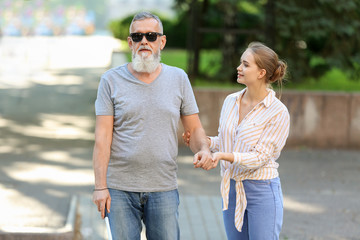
[101,156]
[198,141]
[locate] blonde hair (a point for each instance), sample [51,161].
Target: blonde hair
[266,58]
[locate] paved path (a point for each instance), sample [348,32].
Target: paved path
[200,214]
[321,197]
[46,139]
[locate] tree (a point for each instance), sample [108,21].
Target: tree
[218,24]
[316,35]
[312,36]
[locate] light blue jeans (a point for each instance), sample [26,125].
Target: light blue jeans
[158,211]
[264,211]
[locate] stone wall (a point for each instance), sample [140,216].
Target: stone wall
[318,119]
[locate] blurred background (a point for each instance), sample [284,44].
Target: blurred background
[67,17]
[53,53]
[318,39]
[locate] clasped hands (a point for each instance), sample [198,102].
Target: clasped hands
[203,159]
[206,160]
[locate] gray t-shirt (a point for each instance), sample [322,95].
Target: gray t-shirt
[146,117]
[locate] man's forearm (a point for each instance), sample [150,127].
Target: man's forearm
[100,165]
[198,140]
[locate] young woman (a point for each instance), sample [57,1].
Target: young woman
[253,129]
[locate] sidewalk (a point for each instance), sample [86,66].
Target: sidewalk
[46,140]
[200,215]
[321,197]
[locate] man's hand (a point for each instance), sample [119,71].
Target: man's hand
[203,159]
[102,200]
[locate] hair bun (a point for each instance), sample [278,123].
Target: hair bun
[279,72]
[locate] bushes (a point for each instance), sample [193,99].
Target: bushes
[312,36]
[120,28]
[176,30]
[315,36]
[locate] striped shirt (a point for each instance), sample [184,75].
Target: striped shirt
[256,143]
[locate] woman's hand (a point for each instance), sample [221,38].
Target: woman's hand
[203,159]
[223,156]
[186,138]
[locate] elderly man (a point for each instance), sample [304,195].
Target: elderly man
[138,108]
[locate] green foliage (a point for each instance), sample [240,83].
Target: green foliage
[249,7]
[175,57]
[313,30]
[210,62]
[212,19]
[174,29]
[334,79]
[312,36]
[120,28]
[220,18]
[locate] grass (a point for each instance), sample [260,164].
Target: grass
[210,64]
[178,58]
[175,57]
[333,80]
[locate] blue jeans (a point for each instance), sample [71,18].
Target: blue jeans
[158,211]
[264,211]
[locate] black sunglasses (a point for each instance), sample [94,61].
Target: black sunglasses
[150,36]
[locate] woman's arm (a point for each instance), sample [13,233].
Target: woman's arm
[198,142]
[223,156]
[272,138]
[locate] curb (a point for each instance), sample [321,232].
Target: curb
[67,232]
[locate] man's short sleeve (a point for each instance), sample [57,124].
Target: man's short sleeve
[188,105]
[104,104]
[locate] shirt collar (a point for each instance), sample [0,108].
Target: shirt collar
[266,101]
[269,98]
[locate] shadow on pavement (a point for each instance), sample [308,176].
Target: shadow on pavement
[46,130]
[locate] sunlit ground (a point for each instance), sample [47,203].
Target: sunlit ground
[47,91]
[55,126]
[199,179]
[23,59]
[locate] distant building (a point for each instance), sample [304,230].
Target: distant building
[51,18]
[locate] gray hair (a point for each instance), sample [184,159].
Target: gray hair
[146,15]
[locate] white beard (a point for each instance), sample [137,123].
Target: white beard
[145,63]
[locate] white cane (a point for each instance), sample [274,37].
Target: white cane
[108,225]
